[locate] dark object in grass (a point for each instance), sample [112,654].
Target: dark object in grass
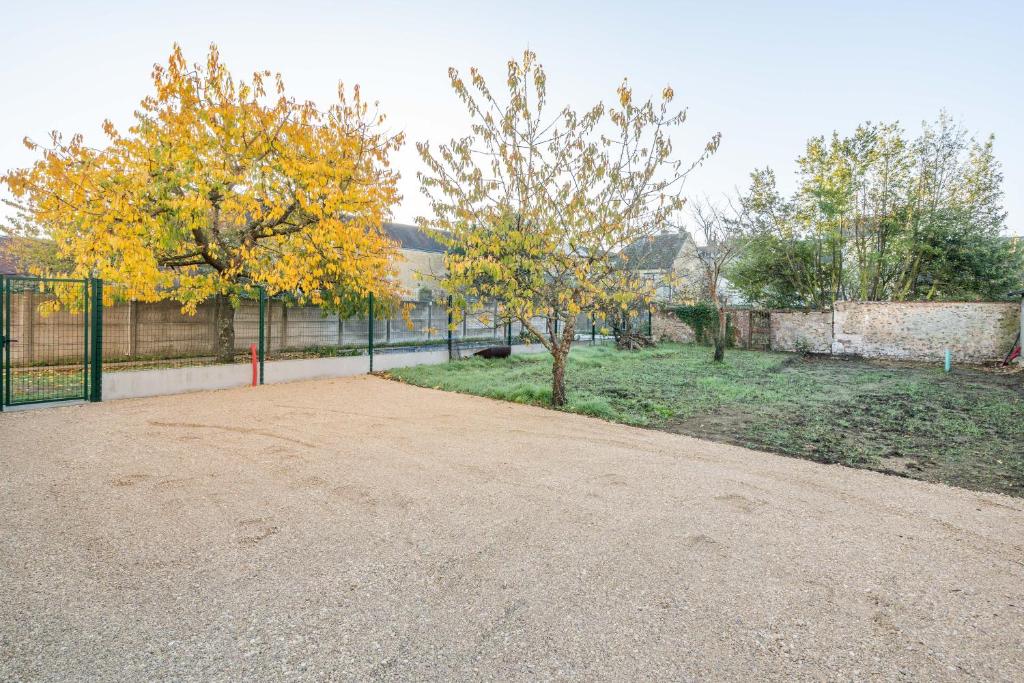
[633,341]
[494,352]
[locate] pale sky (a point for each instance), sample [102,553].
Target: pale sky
[768,75]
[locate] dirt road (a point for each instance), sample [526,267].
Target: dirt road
[360,528]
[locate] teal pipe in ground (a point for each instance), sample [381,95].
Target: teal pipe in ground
[949,360]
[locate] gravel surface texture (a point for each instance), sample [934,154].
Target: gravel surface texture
[365,529]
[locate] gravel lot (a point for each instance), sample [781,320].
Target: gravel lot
[365,529]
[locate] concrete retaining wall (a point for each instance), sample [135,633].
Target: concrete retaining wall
[169,381]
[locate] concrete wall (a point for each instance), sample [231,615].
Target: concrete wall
[169,381]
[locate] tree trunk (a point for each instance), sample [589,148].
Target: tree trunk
[720,339]
[558,355]
[225,317]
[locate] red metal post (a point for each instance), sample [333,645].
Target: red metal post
[255,365]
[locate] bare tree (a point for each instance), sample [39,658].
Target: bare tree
[725,237]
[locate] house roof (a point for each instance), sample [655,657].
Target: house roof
[7,266]
[656,252]
[414,238]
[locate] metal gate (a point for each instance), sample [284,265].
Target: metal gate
[760,330]
[47,340]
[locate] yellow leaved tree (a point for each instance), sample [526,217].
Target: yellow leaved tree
[538,209]
[221,185]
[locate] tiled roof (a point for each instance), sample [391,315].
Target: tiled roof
[656,252]
[412,237]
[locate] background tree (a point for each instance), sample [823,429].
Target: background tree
[536,208]
[878,216]
[789,260]
[724,234]
[219,186]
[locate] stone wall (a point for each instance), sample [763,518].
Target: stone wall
[803,331]
[668,327]
[973,332]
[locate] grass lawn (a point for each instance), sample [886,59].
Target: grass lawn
[964,428]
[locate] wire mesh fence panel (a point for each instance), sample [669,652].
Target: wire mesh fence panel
[479,323]
[143,335]
[57,336]
[418,322]
[295,331]
[45,339]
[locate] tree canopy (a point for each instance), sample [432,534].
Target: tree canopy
[220,184]
[879,216]
[537,206]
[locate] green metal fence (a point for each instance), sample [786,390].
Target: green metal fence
[58,338]
[47,340]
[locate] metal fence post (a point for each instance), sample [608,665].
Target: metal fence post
[5,348]
[450,320]
[262,330]
[86,332]
[593,330]
[370,333]
[3,344]
[96,393]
